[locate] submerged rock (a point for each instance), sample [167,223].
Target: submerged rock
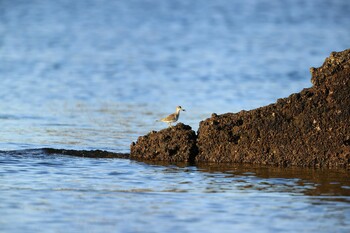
[310,128]
[174,144]
[86,153]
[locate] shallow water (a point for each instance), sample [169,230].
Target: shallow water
[97,74]
[55,192]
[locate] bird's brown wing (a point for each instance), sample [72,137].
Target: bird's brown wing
[171,117]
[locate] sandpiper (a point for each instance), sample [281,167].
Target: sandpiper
[173,117]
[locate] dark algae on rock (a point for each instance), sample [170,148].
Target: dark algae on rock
[307,129]
[310,128]
[173,144]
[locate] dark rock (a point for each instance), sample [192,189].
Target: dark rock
[86,153]
[310,128]
[174,144]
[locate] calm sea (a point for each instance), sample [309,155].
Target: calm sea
[96,74]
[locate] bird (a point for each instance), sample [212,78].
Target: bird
[173,117]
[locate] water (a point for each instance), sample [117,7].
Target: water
[96,74]
[54,193]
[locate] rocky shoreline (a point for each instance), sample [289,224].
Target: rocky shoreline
[307,129]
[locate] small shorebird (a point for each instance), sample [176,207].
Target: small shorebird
[173,117]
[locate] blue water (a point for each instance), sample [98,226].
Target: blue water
[96,74]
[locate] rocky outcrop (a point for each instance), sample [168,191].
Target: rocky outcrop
[174,144]
[310,128]
[307,129]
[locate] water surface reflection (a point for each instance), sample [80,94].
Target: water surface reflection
[299,181]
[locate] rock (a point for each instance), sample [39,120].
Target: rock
[307,129]
[310,128]
[174,144]
[86,153]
